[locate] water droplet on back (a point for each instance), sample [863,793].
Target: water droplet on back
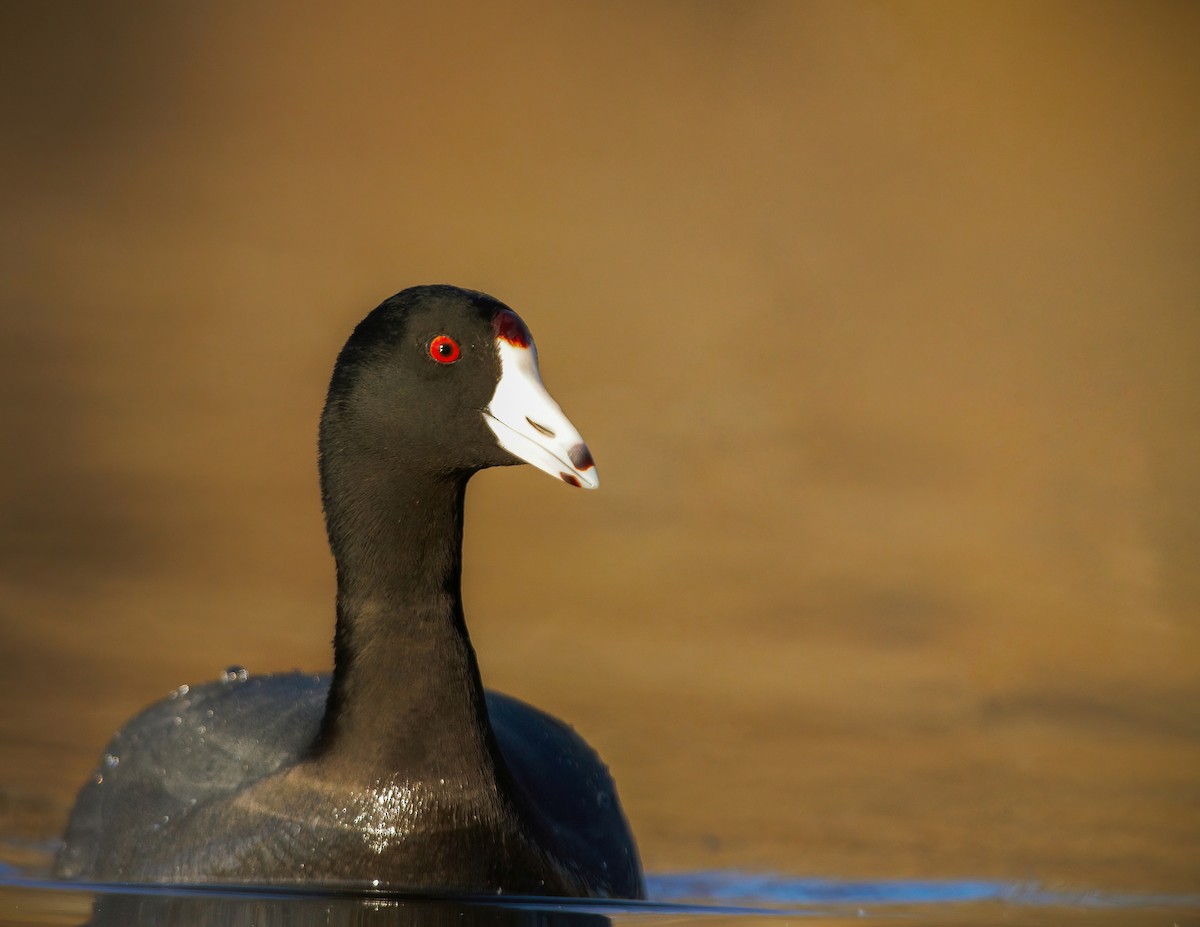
[235,674]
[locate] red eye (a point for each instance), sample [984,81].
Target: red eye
[444,349]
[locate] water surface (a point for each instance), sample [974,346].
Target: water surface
[701,899]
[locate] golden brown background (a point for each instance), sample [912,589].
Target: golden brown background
[882,320]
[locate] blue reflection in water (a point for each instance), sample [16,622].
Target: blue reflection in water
[725,887]
[686,893]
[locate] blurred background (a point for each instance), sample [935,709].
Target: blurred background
[881,319]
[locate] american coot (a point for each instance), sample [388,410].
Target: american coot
[399,768]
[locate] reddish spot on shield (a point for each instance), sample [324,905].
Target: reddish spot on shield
[568,478]
[581,457]
[508,325]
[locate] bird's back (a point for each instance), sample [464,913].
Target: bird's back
[185,759]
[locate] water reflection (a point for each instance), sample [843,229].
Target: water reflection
[267,910]
[785,894]
[718,898]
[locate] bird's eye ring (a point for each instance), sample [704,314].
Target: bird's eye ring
[444,349]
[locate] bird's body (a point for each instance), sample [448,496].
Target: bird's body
[181,773]
[399,769]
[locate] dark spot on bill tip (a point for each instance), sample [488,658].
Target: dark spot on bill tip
[581,457]
[569,478]
[508,325]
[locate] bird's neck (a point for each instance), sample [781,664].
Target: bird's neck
[406,698]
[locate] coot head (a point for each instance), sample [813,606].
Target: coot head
[441,381]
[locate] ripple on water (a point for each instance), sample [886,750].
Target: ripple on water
[28,896]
